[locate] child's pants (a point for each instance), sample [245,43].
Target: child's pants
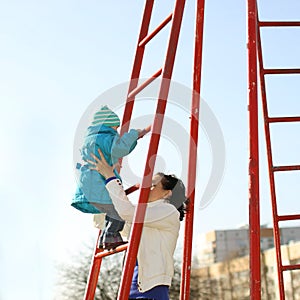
[113,222]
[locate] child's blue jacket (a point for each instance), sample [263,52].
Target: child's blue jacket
[91,185]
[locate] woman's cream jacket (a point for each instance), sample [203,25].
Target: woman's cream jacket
[158,240]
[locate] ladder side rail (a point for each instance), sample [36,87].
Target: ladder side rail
[96,262]
[272,169]
[137,64]
[276,229]
[192,159]
[93,273]
[139,216]
[97,259]
[253,168]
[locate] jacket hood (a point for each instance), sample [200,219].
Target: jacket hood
[99,129]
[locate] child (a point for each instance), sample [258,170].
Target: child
[91,195]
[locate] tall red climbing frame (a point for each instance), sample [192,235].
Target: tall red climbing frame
[165,73]
[255,67]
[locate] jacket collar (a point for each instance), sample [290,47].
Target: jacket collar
[157,202]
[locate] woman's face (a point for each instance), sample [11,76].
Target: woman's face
[156,190]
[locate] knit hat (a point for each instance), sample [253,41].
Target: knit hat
[106,117]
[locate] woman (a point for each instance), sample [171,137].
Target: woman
[166,203]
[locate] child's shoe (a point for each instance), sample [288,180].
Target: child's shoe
[112,240]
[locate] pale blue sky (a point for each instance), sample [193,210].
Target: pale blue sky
[56,57]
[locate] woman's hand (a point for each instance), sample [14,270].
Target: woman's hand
[101,165]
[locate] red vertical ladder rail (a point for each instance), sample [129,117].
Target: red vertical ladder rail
[136,231]
[93,273]
[253,168]
[98,254]
[192,158]
[137,64]
[272,169]
[139,54]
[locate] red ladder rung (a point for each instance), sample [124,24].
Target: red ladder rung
[93,273]
[280,71]
[286,168]
[134,92]
[278,23]
[283,119]
[290,267]
[132,189]
[288,217]
[105,253]
[155,31]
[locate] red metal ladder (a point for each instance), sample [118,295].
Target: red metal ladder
[96,262]
[268,121]
[134,88]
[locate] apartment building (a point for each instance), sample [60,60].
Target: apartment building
[221,245]
[229,279]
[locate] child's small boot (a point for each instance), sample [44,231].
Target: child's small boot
[112,237]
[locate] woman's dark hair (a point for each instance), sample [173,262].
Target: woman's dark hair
[178,198]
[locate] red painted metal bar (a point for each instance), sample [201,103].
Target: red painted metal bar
[110,252]
[136,231]
[144,84]
[288,217]
[97,259]
[276,228]
[281,71]
[286,168]
[283,119]
[194,126]
[155,31]
[278,23]
[93,274]
[135,74]
[132,189]
[254,212]
[291,267]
